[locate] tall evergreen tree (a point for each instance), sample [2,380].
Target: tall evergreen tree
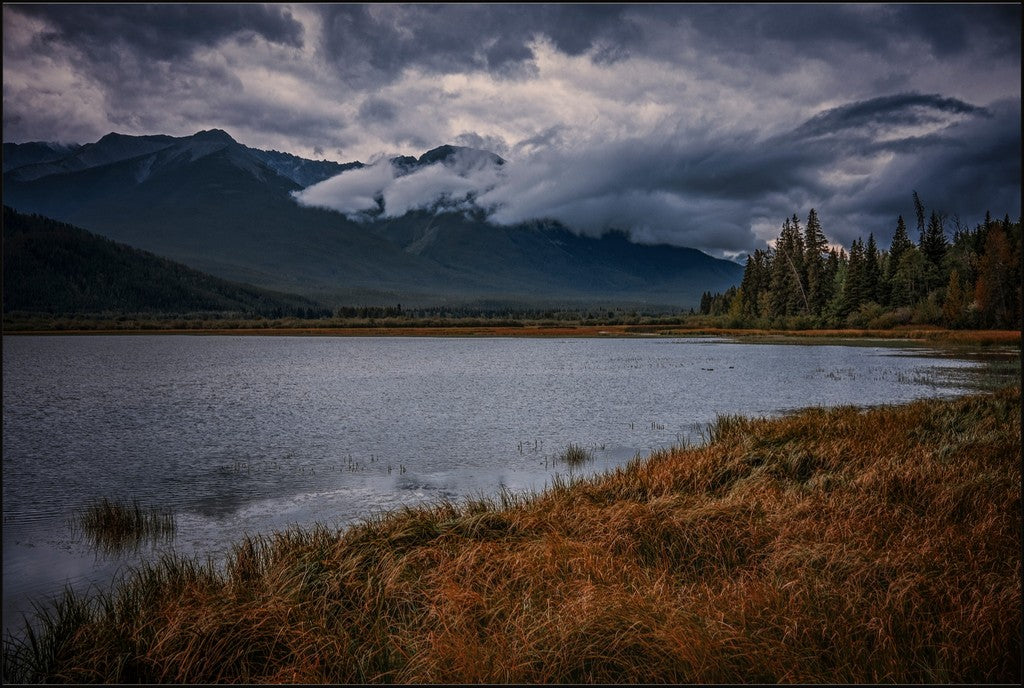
[788,294]
[815,245]
[853,288]
[898,246]
[829,276]
[900,243]
[933,245]
[838,266]
[933,240]
[919,211]
[756,281]
[872,271]
[705,303]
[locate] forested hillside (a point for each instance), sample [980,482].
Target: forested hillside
[55,268]
[973,281]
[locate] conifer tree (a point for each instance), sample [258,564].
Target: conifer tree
[933,245]
[933,241]
[705,303]
[747,286]
[838,265]
[831,271]
[898,246]
[815,244]
[788,294]
[919,211]
[853,288]
[900,243]
[756,281]
[872,272]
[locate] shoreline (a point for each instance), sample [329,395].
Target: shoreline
[931,335]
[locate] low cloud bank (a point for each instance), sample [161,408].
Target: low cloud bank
[857,164]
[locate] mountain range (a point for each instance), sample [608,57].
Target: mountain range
[226,209]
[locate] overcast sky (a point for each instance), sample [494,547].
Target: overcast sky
[700,125]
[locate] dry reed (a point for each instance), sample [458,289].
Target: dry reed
[112,526]
[575,455]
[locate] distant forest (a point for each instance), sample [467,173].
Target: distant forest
[973,282]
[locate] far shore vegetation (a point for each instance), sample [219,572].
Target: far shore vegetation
[840,545]
[584,326]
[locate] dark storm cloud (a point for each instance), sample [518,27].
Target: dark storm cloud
[975,167]
[254,113]
[837,27]
[968,165]
[143,66]
[377,110]
[163,31]
[950,30]
[376,42]
[903,109]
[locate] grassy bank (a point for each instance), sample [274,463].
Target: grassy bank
[829,546]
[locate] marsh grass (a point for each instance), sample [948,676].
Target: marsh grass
[828,546]
[114,526]
[575,455]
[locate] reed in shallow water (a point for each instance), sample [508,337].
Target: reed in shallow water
[112,526]
[576,455]
[828,546]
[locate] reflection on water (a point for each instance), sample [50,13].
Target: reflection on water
[242,435]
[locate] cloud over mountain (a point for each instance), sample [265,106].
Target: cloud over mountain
[708,193]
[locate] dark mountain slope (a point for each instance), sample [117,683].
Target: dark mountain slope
[52,267]
[208,202]
[21,154]
[543,257]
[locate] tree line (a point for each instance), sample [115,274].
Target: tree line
[972,281]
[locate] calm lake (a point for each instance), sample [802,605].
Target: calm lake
[250,434]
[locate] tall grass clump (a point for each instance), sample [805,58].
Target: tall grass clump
[827,546]
[112,526]
[576,455]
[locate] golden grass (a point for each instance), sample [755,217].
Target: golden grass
[828,546]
